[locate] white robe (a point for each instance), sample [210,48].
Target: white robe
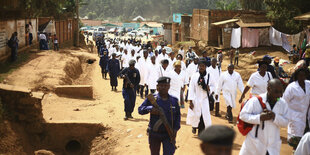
[200,101]
[163,57]
[161,71]
[182,52]
[259,83]
[177,82]
[298,103]
[191,69]
[229,84]
[171,62]
[215,73]
[269,137]
[143,69]
[152,76]
[304,145]
[125,59]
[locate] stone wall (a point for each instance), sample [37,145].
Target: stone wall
[23,107]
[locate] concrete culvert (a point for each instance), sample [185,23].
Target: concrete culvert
[73,147]
[91,61]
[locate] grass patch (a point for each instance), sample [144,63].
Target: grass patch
[8,67]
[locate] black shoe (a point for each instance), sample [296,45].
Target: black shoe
[126,116]
[217,114]
[194,130]
[130,116]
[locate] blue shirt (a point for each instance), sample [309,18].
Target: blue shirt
[167,106]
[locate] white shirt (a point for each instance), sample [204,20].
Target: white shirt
[162,57]
[42,36]
[200,101]
[304,145]
[182,52]
[268,139]
[171,62]
[229,84]
[298,104]
[151,79]
[259,83]
[161,71]
[191,69]
[176,83]
[125,59]
[143,69]
[215,73]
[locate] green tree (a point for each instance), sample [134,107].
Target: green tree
[252,4]
[227,5]
[282,12]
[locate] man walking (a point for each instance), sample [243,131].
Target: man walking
[114,69]
[215,72]
[143,69]
[178,82]
[158,133]
[264,138]
[152,75]
[229,82]
[131,77]
[199,113]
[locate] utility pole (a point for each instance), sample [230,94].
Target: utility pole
[78,26]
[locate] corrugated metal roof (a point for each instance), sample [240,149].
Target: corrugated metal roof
[225,22]
[266,24]
[305,16]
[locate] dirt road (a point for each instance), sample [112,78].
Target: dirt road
[108,108]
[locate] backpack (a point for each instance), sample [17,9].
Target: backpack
[10,43]
[245,127]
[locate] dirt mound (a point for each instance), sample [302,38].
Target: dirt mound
[53,68]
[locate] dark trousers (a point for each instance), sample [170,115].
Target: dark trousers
[236,61]
[113,80]
[201,125]
[155,140]
[13,53]
[56,47]
[104,71]
[30,38]
[146,90]
[307,61]
[129,96]
[229,114]
[153,91]
[43,45]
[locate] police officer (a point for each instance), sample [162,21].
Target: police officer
[131,77]
[217,140]
[157,132]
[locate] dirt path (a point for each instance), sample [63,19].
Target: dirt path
[107,107]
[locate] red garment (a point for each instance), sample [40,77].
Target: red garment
[250,37]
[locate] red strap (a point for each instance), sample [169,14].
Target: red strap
[260,99]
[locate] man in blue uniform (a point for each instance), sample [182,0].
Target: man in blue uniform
[131,77]
[104,58]
[157,132]
[114,69]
